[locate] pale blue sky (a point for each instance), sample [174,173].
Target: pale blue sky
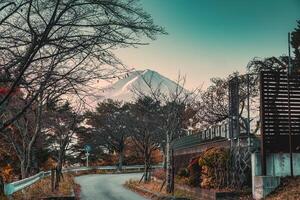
[210,38]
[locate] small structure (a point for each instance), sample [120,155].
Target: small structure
[274,150]
[280,132]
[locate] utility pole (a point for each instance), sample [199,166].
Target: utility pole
[248,112]
[248,104]
[289,73]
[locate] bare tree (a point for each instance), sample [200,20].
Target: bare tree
[214,101]
[145,130]
[60,127]
[65,41]
[295,42]
[174,104]
[22,134]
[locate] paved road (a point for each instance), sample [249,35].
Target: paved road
[107,187]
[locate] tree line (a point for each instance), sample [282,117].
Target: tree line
[50,51]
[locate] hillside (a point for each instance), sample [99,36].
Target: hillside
[289,189]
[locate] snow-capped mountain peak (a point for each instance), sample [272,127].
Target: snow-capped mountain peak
[141,81]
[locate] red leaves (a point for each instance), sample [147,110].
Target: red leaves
[193,162]
[5,90]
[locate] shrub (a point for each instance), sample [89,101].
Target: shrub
[183,172]
[49,164]
[42,189]
[7,173]
[159,174]
[214,164]
[194,172]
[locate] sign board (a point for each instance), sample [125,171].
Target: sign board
[87,148]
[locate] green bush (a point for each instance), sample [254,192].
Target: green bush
[183,172]
[194,172]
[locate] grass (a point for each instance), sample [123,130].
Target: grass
[154,187]
[42,189]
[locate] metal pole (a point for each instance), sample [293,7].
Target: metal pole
[248,104]
[87,159]
[289,105]
[173,173]
[262,127]
[248,111]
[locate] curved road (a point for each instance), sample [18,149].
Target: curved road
[107,187]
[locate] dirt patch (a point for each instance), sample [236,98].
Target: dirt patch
[289,189]
[153,191]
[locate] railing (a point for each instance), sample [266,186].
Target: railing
[13,187]
[220,130]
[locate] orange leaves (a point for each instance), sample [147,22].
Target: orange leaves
[49,164]
[5,90]
[7,173]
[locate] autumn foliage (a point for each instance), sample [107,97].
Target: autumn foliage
[210,169]
[194,172]
[5,90]
[49,164]
[159,174]
[7,173]
[214,165]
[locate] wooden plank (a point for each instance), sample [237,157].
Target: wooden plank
[276,104]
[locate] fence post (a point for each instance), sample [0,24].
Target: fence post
[1,186]
[52,179]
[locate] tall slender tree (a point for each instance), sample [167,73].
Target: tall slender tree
[60,127]
[146,132]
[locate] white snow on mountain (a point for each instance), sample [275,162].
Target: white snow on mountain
[144,81]
[136,82]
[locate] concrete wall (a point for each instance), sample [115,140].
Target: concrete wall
[278,165]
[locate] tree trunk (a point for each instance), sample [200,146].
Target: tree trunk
[146,166]
[168,165]
[1,186]
[23,169]
[121,159]
[59,170]
[164,159]
[146,172]
[35,134]
[58,175]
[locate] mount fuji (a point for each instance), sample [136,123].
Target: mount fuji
[141,81]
